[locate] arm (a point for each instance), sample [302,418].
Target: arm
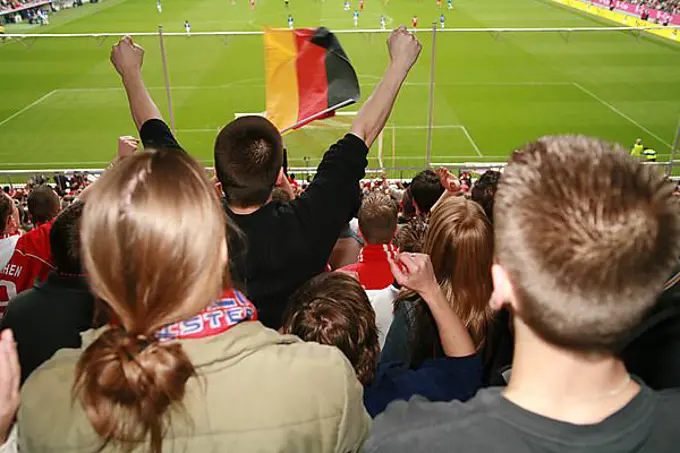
[10,376]
[416,273]
[404,49]
[128,57]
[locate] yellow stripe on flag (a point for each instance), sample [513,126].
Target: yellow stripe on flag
[280,53]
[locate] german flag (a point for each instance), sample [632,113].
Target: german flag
[308,76]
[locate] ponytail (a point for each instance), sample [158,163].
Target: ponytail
[126,384]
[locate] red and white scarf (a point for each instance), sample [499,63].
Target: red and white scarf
[231,309]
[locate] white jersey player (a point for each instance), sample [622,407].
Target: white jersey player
[382,22]
[290,21]
[355,15]
[187,27]
[159,6]
[346,5]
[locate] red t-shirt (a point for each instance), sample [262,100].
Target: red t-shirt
[32,259]
[373,268]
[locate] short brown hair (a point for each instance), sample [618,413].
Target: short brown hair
[587,235]
[6,210]
[411,236]
[378,218]
[333,309]
[248,158]
[43,204]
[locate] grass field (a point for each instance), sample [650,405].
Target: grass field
[61,104]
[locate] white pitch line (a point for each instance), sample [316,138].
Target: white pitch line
[620,113]
[442,126]
[474,143]
[28,107]
[365,83]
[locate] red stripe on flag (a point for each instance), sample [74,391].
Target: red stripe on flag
[311,75]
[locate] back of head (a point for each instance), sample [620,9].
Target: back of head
[248,158]
[587,237]
[65,239]
[378,218]
[6,211]
[484,191]
[459,241]
[411,236]
[333,309]
[426,188]
[43,204]
[148,263]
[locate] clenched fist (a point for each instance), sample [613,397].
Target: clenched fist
[127,57]
[404,48]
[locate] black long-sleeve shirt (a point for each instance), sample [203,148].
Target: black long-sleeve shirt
[285,244]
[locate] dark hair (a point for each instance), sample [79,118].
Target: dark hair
[333,309]
[588,237]
[280,195]
[484,191]
[6,211]
[248,158]
[65,239]
[43,204]
[378,218]
[426,188]
[411,236]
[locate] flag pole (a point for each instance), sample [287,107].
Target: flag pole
[428,150]
[321,114]
[676,142]
[167,79]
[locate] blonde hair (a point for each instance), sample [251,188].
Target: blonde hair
[459,241]
[151,235]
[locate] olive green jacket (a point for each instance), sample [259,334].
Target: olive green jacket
[257,391]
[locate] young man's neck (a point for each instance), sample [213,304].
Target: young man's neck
[240,210]
[564,385]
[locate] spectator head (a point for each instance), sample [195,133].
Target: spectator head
[280,195]
[407,208]
[459,241]
[146,262]
[248,160]
[43,204]
[425,190]
[585,238]
[333,309]
[484,191]
[65,239]
[378,218]
[411,236]
[9,215]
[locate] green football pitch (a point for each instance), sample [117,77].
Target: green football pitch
[62,106]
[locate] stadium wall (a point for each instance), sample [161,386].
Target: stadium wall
[619,17]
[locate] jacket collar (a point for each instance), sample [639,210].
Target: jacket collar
[235,344]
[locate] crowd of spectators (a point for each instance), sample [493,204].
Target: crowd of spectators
[535,309]
[668,6]
[33,11]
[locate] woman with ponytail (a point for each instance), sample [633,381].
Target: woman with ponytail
[183,366]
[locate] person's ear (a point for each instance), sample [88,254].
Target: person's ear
[280,177]
[503,291]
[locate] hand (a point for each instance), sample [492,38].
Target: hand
[127,57]
[10,378]
[404,48]
[449,181]
[415,272]
[127,146]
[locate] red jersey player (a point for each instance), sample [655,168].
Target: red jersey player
[414,21]
[252,4]
[439,4]
[361,5]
